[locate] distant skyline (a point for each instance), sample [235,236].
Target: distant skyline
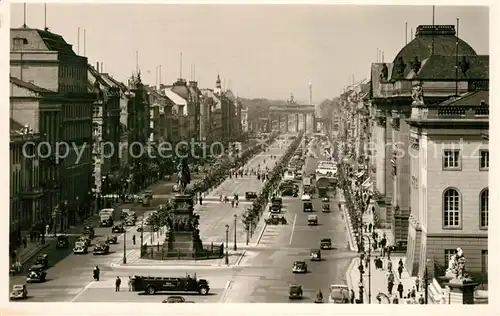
[260,51]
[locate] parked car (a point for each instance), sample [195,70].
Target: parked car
[118,229]
[111,239]
[326,243]
[89,231]
[19,291]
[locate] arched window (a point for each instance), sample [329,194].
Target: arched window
[484,206]
[451,208]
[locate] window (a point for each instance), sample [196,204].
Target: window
[451,159]
[448,253]
[484,206]
[484,261]
[451,208]
[484,160]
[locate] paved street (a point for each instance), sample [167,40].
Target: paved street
[266,270]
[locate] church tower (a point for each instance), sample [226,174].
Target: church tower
[218,87]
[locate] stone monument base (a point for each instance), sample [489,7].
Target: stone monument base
[183,241]
[462,291]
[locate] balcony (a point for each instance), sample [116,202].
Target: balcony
[32,193]
[451,112]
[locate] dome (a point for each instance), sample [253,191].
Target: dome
[444,37]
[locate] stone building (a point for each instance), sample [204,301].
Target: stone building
[449,163]
[26,186]
[46,60]
[439,64]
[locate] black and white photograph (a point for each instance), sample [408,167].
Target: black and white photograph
[251,153]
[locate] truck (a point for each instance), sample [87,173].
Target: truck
[152,285]
[322,184]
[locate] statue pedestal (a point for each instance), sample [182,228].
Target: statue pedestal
[462,291]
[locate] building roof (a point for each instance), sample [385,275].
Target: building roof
[442,37]
[15,125]
[115,82]
[30,86]
[176,99]
[475,98]
[36,39]
[443,68]
[180,88]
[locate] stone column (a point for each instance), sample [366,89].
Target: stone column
[380,156]
[305,122]
[314,123]
[296,122]
[286,122]
[279,122]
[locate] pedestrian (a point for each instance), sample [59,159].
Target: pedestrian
[421,299]
[367,262]
[389,249]
[395,300]
[118,282]
[370,226]
[158,246]
[236,203]
[389,265]
[201,200]
[413,293]
[133,239]
[400,289]
[25,242]
[390,285]
[400,271]
[417,283]
[400,263]
[353,296]
[408,294]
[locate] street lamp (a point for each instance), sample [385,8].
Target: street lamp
[369,269]
[125,247]
[360,285]
[227,241]
[426,282]
[235,217]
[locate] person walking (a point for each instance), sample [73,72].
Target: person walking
[130,284]
[389,265]
[400,270]
[353,296]
[400,289]
[118,282]
[370,226]
[133,239]
[417,283]
[390,285]
[413,293]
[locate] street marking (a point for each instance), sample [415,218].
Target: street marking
[293,228]
[82,291]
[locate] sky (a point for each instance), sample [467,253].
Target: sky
[260,51]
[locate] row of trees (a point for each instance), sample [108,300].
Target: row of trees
[252,215]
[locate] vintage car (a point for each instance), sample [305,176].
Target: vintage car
[19,291]
[147,228]
[305,197]
[275,219]
[308,207]
[101,248]
[250,195]
[118,229]
[111,239]
[89,231]
[339,294]
[62,241]
[325,199]
[326,207]
[295,291]
[176,299]
[36,274]
[148,194]
[299,267]
[80,248]
[85,239]
[106,221]
[176,188]
[326,243]
[312,219]
[315,255]
[42,260]
[130,221]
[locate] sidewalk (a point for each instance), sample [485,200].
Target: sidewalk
[378,277]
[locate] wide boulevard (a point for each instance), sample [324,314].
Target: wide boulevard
[262,275]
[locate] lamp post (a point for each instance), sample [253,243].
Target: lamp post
[360,285]
[235,218]
[426,282]
[227,241]
[369,269]
[125,247]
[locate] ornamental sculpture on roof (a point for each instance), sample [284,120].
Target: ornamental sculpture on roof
[291,100]
[399,66]
[416,64]
[417,94]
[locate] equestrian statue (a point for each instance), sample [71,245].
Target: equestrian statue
[183,175]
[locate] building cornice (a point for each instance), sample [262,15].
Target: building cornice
[450,123]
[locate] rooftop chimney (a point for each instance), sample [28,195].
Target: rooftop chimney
[97,67]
